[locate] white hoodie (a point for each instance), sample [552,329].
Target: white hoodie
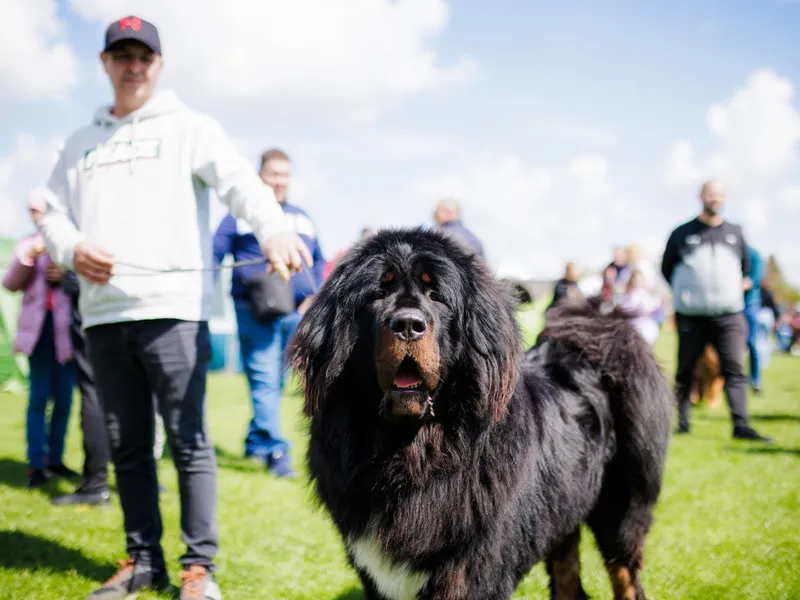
[138,188]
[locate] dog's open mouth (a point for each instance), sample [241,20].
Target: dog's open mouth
[408,377]
[409,396]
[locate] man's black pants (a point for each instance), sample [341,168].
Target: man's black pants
[728,335]
[132,360]
[96,451]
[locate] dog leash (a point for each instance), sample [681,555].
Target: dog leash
[152,271]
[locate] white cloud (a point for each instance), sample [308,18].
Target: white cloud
[755,152]
[349,59]
[26,167]
[682,167]
[410,144]
[590,175]
[755,134]
[534,218]
[504,202]
[36,62]
[757,129]
[577,135]
[788,199]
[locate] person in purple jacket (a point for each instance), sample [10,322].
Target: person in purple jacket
[43,335]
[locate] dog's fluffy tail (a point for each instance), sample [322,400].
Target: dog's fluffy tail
[640,397]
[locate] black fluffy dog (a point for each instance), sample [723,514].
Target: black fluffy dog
[450,462]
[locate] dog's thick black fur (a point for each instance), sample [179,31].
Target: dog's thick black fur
[450,461]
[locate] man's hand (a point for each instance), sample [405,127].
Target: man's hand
[36,249]
[286,252]
[95,264]
[53,273]
[747,283]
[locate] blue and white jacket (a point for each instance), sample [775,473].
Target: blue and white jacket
[236,237]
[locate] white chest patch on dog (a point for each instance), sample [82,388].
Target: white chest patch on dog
[396,581]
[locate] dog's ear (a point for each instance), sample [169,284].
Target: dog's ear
[493,341]
[322,342]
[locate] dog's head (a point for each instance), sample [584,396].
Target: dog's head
[417,324]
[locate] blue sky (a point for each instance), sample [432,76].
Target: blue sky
[563,128]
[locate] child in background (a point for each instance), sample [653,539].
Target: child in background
[637,299]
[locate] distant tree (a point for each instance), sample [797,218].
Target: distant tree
[783,291]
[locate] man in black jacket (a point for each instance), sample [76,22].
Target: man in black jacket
[705,262]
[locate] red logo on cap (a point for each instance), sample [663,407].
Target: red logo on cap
[134,23]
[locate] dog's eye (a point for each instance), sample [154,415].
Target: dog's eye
[388,276]
[426,278]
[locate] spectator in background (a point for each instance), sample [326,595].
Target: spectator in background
[622,269]
[365,233]
[263,342]
[43,335]
[645,305]
[706,264]
[608,291]
[648,272]
[752,306]
[448,217]
[566,287]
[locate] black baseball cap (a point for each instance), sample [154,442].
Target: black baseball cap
[133,28]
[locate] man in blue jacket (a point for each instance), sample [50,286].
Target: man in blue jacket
[263,342]
[752,306]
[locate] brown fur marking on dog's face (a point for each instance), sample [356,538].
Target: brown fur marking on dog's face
[622,583]
[424,352]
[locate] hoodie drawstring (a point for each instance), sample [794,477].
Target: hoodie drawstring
[132,156]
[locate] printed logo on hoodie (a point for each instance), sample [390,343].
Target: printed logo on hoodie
[120,152]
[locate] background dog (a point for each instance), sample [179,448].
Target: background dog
[449,462]
[708,382]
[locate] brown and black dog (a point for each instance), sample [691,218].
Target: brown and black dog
[707,381]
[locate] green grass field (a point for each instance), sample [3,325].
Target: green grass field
[727,526]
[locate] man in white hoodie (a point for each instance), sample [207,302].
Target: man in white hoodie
[128,210]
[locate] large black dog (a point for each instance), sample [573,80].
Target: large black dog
[450,462]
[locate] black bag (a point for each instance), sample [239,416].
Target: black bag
[270,296]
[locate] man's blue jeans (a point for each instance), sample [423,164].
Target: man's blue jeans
[753,332]
[48,379]
[263,346]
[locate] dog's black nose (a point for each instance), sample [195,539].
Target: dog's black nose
[408,325]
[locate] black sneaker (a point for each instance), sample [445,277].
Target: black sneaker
[130,578]
[81,496]
[748,433]
[683,427]
[63,471]
[36,478]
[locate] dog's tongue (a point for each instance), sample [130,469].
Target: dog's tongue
[406,380]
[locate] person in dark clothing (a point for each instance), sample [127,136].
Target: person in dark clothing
[566,287]
[768,301]
[705,262]
[93,489]
[448,217]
